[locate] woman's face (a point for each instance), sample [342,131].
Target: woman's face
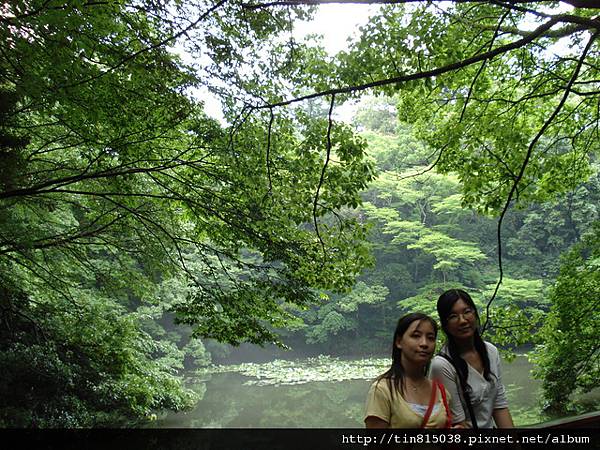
[418,342]
[462,321]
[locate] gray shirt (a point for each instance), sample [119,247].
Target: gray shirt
[486,396]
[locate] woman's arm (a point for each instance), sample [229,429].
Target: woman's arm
[442,370]
[379,406]
[376,422]
[503,418]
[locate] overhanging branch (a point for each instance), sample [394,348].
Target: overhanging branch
[590,4]
[525,163]
[440,70]
[321,180]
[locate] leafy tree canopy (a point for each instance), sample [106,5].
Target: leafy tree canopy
[506,93]
[120,159]
[115,183]
[116,186]
[568,352]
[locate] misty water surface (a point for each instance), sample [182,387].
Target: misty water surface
[228,402]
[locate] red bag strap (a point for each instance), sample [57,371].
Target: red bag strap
[430,406]
[445,402]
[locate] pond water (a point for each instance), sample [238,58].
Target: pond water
[314,393]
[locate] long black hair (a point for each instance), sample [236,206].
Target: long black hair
[444,308]
[395,374]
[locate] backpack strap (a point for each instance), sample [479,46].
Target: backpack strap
[430,406]
[445,402]
[462,388]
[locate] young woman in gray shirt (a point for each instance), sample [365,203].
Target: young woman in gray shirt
[468,367]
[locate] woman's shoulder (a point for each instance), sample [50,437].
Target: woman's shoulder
[441,359]
[491,348]
[442,387]
[382,383]
[382,387]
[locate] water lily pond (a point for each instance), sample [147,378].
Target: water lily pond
[289,372]
[315,392]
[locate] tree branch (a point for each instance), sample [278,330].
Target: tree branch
[149,48]
[434,72]
[327,157]
[524,165]
[476,77]
[268,155]
[593,4]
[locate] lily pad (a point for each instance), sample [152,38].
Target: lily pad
[307,370]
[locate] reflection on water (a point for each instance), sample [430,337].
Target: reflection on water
[524,393]
[227,402]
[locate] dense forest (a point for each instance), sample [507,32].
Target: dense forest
[136,231]
[424,242]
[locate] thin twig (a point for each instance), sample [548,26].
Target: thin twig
[329,126]
[430,73]
[483,64]
[524,165]
[268,156]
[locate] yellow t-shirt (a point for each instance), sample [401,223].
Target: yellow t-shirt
[396,410]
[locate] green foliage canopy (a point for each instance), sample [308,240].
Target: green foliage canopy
[116,186]
[568,352]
